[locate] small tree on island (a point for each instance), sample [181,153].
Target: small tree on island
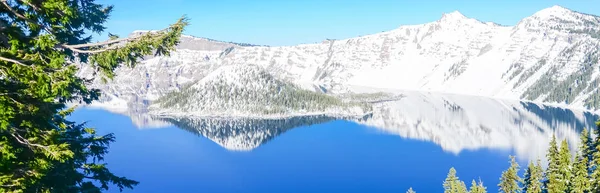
[42,44]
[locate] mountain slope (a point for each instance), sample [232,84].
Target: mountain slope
[248,91]
[551,56]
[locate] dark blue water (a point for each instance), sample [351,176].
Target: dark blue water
[334,156]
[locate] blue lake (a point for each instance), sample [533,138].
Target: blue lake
[409,143]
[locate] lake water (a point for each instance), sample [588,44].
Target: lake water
[411,142]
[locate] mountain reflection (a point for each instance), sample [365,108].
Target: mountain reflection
[454,122]
[243,134]
[458,123]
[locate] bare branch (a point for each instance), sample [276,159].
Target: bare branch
[14,61]
[4,2]
[15,101]
[8,185]
[108,42]
[31,5]
[104,43]
[74,49]
[24,141]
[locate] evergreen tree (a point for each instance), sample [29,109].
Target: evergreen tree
[477,187]
[565,165]
[410,190]
[586,146]
[451,179]
[509,181]
[581,166]
[532,178]
[42,45]
[452,184]
[580,180]
[554,179]
[462,188]
[595,162]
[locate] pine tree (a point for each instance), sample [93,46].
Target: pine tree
[595,162]
[554,179]
[509,181]
[477,187]
[581,166]
[450,181]
[42,45]
[532,179]
[586,146]
[462,188]
[565,165]
[410,190]
[580,179]
[452,184]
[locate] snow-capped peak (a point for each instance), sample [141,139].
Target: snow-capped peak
[554,11]
[453,16]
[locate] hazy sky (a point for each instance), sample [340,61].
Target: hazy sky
[290,22]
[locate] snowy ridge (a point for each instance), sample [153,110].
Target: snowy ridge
[249,91]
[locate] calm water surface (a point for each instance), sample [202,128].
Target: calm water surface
[408,143]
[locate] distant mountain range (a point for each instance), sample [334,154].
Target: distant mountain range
[551,56]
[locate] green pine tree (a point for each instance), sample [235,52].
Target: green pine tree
[580,179]
[451,179]
[532,179]
[462,188]
[581,166]
[554,179]
[565,165]
[595,162]
[410,190]
[452,184]
[509,181]
[41,45]
[585,146]
[477,187]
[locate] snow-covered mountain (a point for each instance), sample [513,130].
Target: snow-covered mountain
[551,56]
[247,90]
